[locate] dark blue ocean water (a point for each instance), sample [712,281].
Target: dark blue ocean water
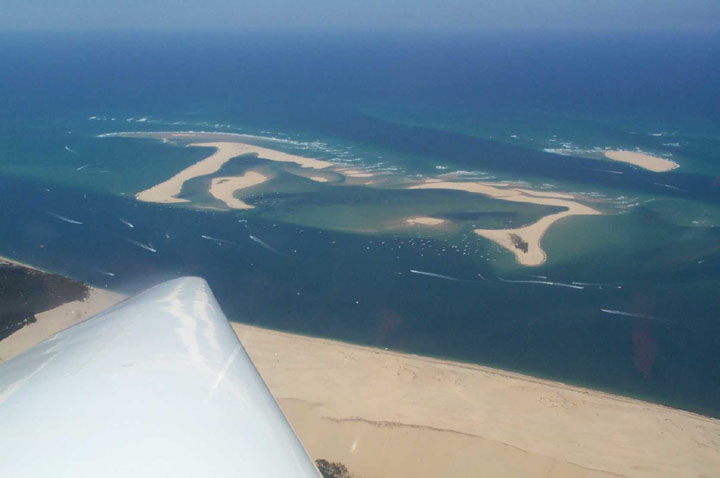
[413,101]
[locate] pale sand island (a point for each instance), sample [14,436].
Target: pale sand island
[354,173]
[224,188]
[642,160]
[523,242]
[167,191]
[392,415]
[425,221]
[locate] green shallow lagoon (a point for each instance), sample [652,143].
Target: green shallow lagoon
[337,259]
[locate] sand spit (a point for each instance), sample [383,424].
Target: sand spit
[390,414]
[523,242]
[167,191]
[643,160]
[425,221]
[224,188]
[319,179]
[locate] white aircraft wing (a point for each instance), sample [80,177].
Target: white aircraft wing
[157,386]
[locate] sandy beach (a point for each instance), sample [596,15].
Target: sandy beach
[224,188]
[388,414]
[385,414]
[167,191]
[52,321]
[523,242]
[642,160]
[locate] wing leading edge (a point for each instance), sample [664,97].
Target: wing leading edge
[158,385]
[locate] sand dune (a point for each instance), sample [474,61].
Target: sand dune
[387,414]
[642,160]
[523,242]
[224,188]
[167,191]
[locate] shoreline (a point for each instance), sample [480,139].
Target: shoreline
[52,321]
[224,188]
[385,413]
[388,409]
[524,242]
[642,160]
[167,191]
[424,221]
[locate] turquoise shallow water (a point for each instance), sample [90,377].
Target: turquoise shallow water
[333,265]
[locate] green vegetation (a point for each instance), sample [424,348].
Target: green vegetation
[332,470]
[25,292]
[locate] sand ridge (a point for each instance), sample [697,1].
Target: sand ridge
[523,242]
[425,221]
[168,190]
[642,160]
[354,173]
[224,188]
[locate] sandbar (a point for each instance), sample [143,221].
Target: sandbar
[642,160]
[523,242]
[167,191]
[354,173]
[425,221]
[225,187]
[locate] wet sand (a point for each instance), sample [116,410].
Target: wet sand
[225,187]
[425,221]
[642,160]
[523,242]
[354,173]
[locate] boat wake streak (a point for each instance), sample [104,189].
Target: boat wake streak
[627,314]
[63,218]
[126,222]
[439,276]
[219,241]
[543,282]
[141,245]
[264,244]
